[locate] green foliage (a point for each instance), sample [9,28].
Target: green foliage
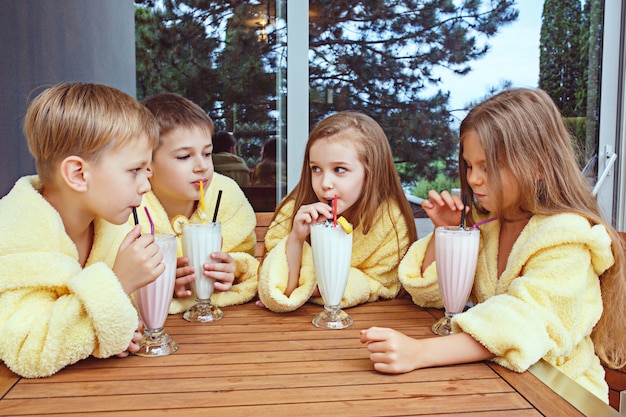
[570,47]
[561,69]
[440,183]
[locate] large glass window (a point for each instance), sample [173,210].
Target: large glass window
[268,70]
[229,58]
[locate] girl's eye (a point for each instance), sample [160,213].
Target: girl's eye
[208,154]
[135,171]
[182,157]
[315,169]
[340,170]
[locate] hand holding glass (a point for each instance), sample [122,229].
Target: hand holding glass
[456,254]
[153,303]
[199,241]
[332,252]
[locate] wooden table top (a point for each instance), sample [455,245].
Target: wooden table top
[257,363]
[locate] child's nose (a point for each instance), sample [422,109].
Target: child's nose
[145,184]
[327,181]
[473,178]
[201,165]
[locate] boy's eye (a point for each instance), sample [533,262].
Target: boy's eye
[208,154]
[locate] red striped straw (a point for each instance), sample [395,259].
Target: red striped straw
[150,220]
[335,211]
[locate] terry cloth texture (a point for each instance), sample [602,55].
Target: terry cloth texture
[544,305]
[54,312]
[373,267]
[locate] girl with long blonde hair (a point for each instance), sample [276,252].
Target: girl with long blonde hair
[549,282]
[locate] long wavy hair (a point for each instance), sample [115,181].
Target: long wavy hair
[522,130]
[382,184]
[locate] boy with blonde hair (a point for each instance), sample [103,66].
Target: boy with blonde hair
[68,259]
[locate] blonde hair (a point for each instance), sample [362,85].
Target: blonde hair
[84,120]
[382,184]
[173,111]
[522,130]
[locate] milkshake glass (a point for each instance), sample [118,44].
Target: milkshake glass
[332,252]
[153,303]
[199,241]
[456,254]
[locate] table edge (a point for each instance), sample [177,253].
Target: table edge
[580,398]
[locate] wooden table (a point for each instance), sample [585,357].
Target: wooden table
[257,363]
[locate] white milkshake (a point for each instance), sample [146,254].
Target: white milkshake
[199,240]
[332,252]
[456,254]
[153,302]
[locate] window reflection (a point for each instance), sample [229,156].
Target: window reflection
[382,58]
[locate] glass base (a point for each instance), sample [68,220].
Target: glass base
[333,317]
[203,311]
[443,327]
[156,343]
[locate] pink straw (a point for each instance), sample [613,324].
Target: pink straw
[150,220]
[475,226]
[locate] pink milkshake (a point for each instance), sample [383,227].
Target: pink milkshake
[456,253]
[153,303]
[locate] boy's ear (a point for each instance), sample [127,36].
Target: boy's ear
[75,173]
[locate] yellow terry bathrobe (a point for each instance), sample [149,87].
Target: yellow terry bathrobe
[54,312]
[238,221]
[373,267]
[544,305]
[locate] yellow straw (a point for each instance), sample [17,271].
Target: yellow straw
[203,213]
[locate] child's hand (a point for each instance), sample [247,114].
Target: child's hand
[307,215]
[391,351]
[184,276]
[443,209]
[222,271]
[134,343]
[138,261]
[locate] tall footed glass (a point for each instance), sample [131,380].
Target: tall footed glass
[153,303]
[456,254]
[332,252]
[199,241]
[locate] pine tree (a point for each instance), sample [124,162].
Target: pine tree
[374,56]
[561,69]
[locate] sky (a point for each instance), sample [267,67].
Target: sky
[514,56]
